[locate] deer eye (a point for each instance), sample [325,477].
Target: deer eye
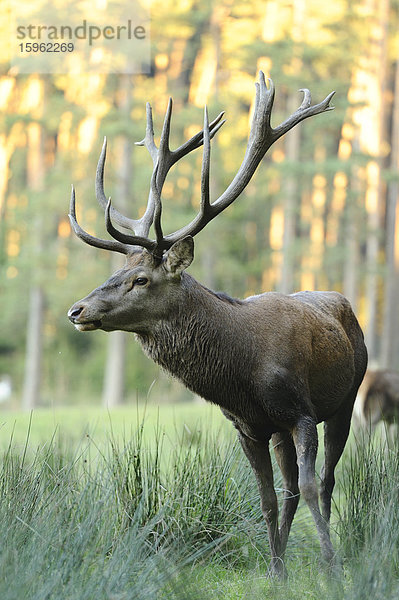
[140,281]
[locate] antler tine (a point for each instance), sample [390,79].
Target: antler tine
[160,243]
[264,100]
[197,139]
[164,141]
[146,220]
[115,246]
[148,140]
[99,185]
[205,199]
[303,112]
[101,197]
[164,161]
[307,99]
[128,240]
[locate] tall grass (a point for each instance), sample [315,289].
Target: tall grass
[130,521]
[121,525]
[369,523]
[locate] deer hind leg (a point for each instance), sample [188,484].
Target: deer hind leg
[259,458]
[306,442]
[285,452]
[336,431]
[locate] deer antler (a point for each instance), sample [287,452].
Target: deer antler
[261,137]
[163,159]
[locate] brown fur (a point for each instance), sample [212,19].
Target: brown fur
[276,365]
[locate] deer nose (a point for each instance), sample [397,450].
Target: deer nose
[75,312]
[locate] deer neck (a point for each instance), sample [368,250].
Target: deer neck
[196,343]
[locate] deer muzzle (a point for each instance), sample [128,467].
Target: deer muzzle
[78,315]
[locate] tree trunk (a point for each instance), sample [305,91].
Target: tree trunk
[209,248]
[390,337]
[34,348]
[34,337]
[292,141]
[351,264]
[114,377]
[373,139]
[291,194]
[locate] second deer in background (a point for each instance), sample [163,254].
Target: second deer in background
[377,399]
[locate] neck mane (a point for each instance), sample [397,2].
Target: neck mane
[198,343]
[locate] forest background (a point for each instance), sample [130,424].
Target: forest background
[320,213]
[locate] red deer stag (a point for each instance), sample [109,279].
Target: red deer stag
[276,364]
[377,399]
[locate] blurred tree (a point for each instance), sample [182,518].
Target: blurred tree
[35,173]
[114,376]
[390,336]
[372,139]
[291,183]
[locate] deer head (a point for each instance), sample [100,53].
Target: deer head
[147,288]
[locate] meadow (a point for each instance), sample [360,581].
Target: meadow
[159,502]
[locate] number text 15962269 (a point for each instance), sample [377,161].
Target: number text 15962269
[46,47]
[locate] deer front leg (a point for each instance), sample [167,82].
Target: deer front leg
[259,458]
[306,441]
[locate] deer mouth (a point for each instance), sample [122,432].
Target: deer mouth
[88,325]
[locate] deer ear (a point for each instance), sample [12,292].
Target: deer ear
[180,255]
